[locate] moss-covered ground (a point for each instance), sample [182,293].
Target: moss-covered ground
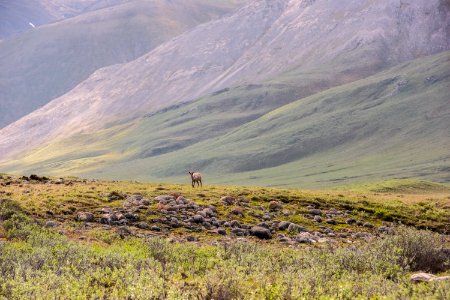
[46,253]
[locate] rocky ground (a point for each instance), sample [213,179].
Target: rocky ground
[175,211]
[79,207]
[72,238]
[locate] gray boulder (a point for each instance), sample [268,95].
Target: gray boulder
[198,219]
[368,225]
[315,211]
[142,225]
[239,231]
[275,205]
[331,221]
[164,199]
[350,221]
[385,230]
[261,232]
[295,228]
[318,219]
[305,238]
[227,200]
[283,225]
[85,216]
[221,231]
[51,224]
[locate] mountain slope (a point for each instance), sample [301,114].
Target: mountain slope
[392,124]
[45,63]
[16,16]
[142,119]
[344,41]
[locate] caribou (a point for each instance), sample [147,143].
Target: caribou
[196,178]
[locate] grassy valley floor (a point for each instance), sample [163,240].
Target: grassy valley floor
[86,239]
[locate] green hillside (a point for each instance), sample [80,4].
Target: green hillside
[391,125]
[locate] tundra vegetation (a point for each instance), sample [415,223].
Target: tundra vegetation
[82,239]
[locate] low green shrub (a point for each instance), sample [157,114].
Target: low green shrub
[418,250]
[39,263]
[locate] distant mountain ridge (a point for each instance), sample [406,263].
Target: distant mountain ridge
[47,62]
[16,15]
[264,56]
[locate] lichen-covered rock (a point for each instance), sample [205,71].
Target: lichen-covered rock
[106,210]
[227,200]
[135,201]
[123,231]
[385,230]
[164,199]
[221,231]
[131,216]
[208,212]
[368,225]
[237,210]
[275,205]
[182,200]
[155,228]
[284,239]
[58,181]
[38,178]
[296,228]
[305,238]
[85,216]
[191,238]
[119,216]
[331,221]
[51,224]
[283,225]
[350,221]
[264,224]
[286,212]
[174,222]
[235,223]
[113,196]
[198,219]
[142,225]
[239,231]
[314,211]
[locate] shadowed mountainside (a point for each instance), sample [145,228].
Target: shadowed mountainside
[16,16]
[45,63]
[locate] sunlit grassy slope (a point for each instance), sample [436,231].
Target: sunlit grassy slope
[390,125]
[406,186]
[427,207]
